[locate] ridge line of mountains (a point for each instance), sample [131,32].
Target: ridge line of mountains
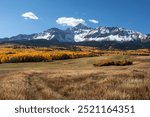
[102,37]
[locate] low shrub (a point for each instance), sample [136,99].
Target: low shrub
[117,61]
[10,52]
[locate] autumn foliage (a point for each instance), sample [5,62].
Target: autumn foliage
[13,54]
[10,55]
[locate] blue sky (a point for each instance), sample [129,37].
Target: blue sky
[131,14]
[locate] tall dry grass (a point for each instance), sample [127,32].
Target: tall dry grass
[70,85]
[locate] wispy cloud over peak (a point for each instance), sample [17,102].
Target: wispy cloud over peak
[69,21]
[30,15]
[93,21]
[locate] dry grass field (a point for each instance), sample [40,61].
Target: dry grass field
[75,79]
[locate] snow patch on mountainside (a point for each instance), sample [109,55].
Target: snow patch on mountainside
[80,34]
[46,36]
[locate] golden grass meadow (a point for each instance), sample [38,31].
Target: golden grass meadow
[34,73]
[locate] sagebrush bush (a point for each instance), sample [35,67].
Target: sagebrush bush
[115,60]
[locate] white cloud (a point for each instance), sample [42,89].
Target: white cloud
[69,21]
[30,15]
[93,21]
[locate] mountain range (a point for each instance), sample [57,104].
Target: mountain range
[84,34]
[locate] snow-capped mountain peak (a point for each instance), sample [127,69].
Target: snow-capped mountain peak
[81,26]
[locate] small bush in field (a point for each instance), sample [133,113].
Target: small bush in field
[117,61]
[10,52]
[105,62]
